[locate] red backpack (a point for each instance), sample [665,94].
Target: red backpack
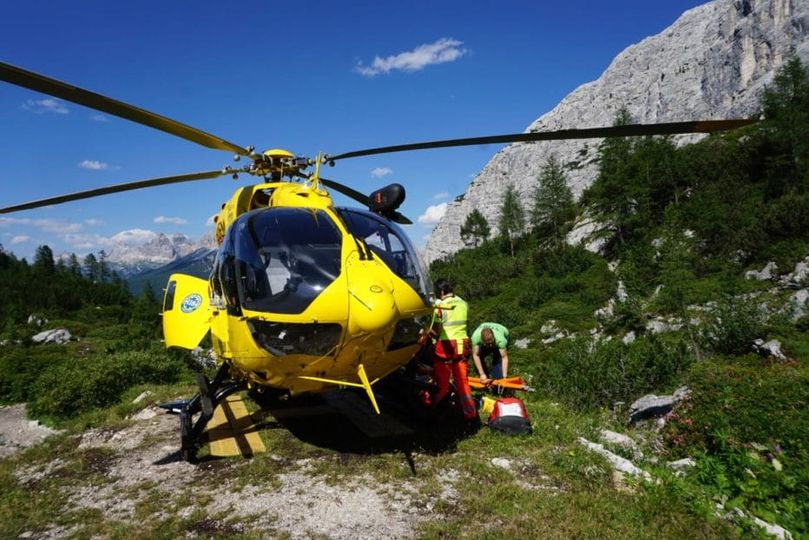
[509,416]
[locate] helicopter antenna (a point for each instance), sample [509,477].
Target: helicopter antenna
[315,176]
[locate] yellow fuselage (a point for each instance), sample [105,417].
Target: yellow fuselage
[367,299]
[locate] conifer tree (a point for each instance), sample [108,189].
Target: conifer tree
[73,265]
[553,200]
[103,267]
[91,269]
[786,109]
[43,260]
[475,229]
[512,217]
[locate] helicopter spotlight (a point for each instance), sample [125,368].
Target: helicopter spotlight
[303,296]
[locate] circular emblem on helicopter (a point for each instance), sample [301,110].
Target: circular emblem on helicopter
[191,303]
[375,288]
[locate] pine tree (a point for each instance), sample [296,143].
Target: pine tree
[73,265]
[512,217]
[553,200]
[91,269]
[43,260]
[475,229]
[786,110]
[103,267]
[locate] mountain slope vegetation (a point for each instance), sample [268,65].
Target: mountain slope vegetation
[667,302]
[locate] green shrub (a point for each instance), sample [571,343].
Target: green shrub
[80,385]
[20,367]
[747,418]
[76,328]
[537,291]
[563,260]
[785,253]
[590,374]
[732,326]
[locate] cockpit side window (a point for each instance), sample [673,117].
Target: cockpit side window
[225,275]
[388,242]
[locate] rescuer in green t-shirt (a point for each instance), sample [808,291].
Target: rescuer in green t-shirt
[490,339]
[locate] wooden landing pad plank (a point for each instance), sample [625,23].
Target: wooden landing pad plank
[231,431]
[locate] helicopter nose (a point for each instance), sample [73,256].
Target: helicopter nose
[372,305]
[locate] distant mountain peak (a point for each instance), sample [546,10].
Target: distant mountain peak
[159,250]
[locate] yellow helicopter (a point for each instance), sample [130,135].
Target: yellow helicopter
[303,296]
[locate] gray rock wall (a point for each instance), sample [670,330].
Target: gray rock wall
[712,63]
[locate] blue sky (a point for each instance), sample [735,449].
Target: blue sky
[306,76]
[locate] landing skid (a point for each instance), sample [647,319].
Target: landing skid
[211,394]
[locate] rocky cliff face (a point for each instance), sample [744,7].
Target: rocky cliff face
[712,63]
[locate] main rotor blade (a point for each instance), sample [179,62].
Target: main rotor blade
[347,191]
[398,217]
[46,85]
[129,186]
[631,130]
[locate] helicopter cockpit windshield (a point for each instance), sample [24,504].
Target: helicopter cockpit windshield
[282,258]
[390,244]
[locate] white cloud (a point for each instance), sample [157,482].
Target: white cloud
[134,236]
[98,117]
[20,239]
[172,220]
[87,241]
[14,221]
[94,165]
[47,105]
[439,196]
[433,213]
[443,50]
[379,172]
[57,226]
[92,222]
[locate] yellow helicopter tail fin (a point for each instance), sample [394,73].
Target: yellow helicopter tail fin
[186,311]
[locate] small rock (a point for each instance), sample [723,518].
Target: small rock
[607,311]
[770,271]
[621,294]
[624,441]
[681,465]
[549,327]
[629,338]
[649,406]
[553,339]
[142,396]
[681,393]
[769,348]
[618,463]
[522,343]
[658,326]
[798,303]
[774,530]
[502,463]
[58,335]
[36,320]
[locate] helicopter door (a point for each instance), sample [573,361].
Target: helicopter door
[186,311]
